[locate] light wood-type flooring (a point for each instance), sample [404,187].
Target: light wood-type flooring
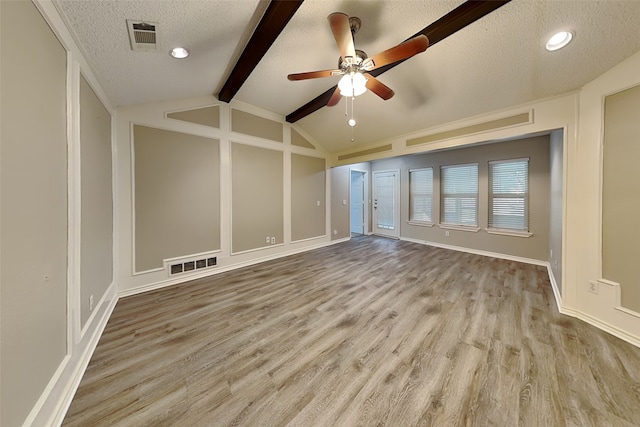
[368,332]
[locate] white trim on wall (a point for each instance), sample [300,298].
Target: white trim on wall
[222,269]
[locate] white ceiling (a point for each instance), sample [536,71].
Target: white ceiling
[496,62]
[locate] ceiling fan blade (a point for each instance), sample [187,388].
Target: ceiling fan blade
[341,30]
[397,53]
[313,74]
[377,87]
[465,14]
[335,98]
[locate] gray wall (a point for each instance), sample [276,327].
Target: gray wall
[555,205]
[257,197]
[96,269]
[537,149]
[621,194]
[33,223]
[177,195]
[308,197]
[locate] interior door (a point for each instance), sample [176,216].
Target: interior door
[386,203]
[357,202]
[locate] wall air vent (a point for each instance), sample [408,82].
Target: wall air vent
[142,35]
[191,265]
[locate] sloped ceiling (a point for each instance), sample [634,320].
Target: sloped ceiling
[496,62]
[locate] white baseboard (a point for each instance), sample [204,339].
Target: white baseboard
[56,398]
[477,251]
[613,330]
[554,286]
[212,272]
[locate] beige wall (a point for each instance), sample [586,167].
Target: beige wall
[206,116]
[33,208]
[534,247]
[257,194]
[250,124]
[621,194]
[308,197]
[556,167]
[177,195]
[96,270]
[339,211]
[299,140]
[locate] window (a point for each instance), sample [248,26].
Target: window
[421,195]
[459,195]
[509,195]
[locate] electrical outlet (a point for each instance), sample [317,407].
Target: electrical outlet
[593,287]
[344,202]
[273,240]
[335,232]
[446,233]
[90,302]
[555,264]
[317,202]
[268,240]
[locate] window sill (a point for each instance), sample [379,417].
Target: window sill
[420,223]
[503,232]
[459,227]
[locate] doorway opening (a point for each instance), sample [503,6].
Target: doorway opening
[358,212]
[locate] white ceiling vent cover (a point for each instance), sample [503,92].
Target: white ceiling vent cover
[142,35]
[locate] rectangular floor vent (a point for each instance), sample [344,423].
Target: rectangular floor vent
[191,265]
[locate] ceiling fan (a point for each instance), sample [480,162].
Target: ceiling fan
[355,66]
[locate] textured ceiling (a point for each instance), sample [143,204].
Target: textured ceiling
[496,62]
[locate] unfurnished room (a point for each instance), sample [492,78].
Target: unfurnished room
[319,213]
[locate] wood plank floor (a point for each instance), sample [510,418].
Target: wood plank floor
[363,333]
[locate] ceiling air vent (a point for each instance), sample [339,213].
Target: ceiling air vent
[142,35]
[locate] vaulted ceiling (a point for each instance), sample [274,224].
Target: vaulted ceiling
[496,62]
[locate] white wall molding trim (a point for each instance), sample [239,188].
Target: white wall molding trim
[477,252]
[222,269]
[56,398]
[606,327]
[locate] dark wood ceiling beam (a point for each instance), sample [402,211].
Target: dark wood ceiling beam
[275,18]
[465,14]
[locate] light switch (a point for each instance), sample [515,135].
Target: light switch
[344,202]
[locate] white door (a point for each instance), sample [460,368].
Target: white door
[386,203]
[357,202]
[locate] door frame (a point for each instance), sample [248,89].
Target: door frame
[396,204]
[366,200]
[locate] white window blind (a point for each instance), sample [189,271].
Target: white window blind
[421,194]
[509,194]
[459,195]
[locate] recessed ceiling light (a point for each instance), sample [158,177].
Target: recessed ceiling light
[559,40]
[179,52]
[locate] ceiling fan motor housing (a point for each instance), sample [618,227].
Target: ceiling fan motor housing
[355,63]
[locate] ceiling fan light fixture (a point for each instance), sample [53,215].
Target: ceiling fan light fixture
[559,40]
[179,52]
[352,84]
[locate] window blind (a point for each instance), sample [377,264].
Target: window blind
[421,194]
[509,194]
[459,195]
